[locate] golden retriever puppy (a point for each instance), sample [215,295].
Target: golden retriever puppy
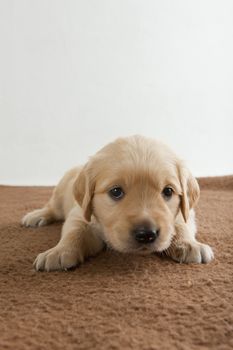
[135,196]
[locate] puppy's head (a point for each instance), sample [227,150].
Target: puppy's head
[135,187]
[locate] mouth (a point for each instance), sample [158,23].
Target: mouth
[142,249]
[132,249]
[156,247]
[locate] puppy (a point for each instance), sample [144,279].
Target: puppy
[135,195]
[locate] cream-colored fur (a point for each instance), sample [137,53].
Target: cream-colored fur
[142,168]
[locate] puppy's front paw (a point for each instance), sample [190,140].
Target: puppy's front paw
[57,258]
[191,252]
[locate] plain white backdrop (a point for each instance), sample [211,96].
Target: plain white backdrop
[75,74]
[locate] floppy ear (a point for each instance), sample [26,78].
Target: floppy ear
[190,191]
[83,190]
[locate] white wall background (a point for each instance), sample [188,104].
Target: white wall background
[74,74]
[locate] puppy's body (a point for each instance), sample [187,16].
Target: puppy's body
[135,195]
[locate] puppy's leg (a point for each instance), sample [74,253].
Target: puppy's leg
[51,212]
[59,205]
[185,248]
[39,217]
[78,241]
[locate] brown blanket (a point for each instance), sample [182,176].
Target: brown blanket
[116,301]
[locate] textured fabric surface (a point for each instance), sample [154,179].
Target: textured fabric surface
[115,301]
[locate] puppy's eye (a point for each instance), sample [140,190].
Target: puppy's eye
[116,193]
[167,192]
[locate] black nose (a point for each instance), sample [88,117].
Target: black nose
[144,236]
